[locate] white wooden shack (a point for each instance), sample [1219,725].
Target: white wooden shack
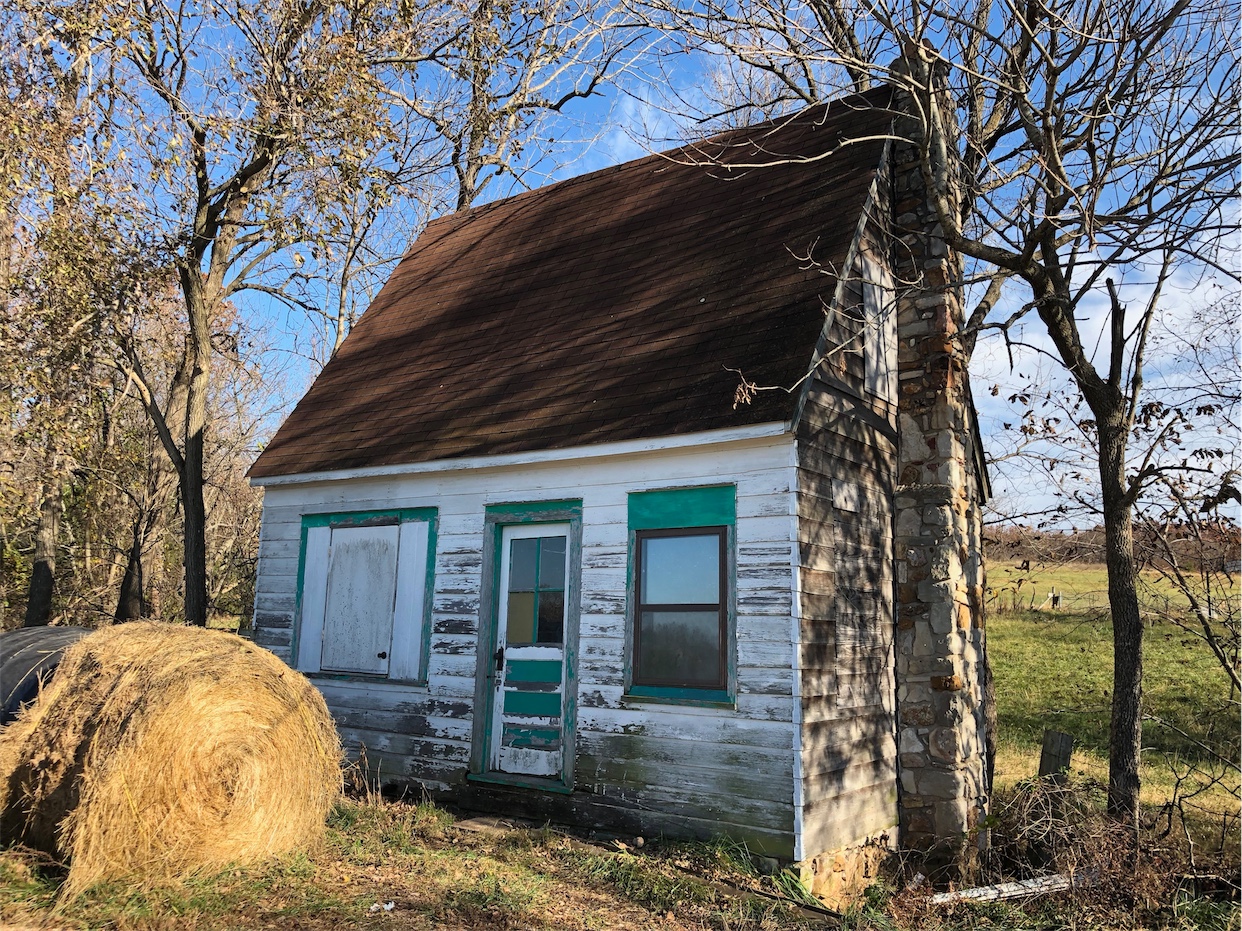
[649,501]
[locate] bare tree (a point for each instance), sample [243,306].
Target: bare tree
[1072,148]
[360,214]
[498,73]
[216,116]
[1189,530]
[787,52]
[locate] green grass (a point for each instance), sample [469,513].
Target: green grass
[1083,588]
[23,886]
[284,890]
[1055,671]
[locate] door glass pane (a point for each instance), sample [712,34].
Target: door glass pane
[681,570]
[551,617]
[680,648]
[520,626]
[551,563]
[523,559]
[536,613]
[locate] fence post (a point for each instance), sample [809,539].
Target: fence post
[1054,760]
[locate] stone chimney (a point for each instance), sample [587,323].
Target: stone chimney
[942,673]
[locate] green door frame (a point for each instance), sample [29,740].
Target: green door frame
[496,518]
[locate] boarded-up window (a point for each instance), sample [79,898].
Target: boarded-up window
[880,315]
[364,589]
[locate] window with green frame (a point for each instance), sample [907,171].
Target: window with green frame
[363,584]
[681,637]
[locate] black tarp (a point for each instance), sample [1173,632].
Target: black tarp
[27,657]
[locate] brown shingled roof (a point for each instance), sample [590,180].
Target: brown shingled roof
[606,307]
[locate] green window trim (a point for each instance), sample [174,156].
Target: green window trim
[664,512]
[368,518]
[374,518]
[534,512]
[676,508]
[512,780]
[668,695]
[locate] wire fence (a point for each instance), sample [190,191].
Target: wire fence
[1014,601]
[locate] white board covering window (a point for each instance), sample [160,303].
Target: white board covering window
[880,339]
[364,586]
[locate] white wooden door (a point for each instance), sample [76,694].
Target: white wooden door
[527,732]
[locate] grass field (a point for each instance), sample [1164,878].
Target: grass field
[1055,671]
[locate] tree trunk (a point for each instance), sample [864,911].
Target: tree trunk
[1125,736]
[196,374]
[130,605]
[195,519]
[194,510]
[42,577]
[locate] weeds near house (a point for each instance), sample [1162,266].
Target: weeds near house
[650,883]
[791,887]
[438,874]
[492,893]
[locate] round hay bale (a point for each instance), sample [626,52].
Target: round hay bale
[158,751]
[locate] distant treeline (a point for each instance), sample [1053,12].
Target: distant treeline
[1215,545]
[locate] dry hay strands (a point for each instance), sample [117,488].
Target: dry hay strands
[160,751]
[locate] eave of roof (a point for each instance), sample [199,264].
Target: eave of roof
[613,306]
[725,442]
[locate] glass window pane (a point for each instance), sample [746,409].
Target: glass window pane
[679,648]
[551,617]
[522,559]
[551,563]
[520,623]
[681,570]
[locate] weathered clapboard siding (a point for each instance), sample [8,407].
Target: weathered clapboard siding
[623,810]
[639,764]
[846,471]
